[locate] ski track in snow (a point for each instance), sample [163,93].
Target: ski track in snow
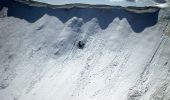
[42,60]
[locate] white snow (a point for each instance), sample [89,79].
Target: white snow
[109,2]
[41,60]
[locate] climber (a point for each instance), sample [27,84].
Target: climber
[81,44]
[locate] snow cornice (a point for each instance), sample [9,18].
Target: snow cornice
[146,9]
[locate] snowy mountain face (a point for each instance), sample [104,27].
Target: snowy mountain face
[108,2]
[84,53]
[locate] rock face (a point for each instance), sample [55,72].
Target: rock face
[126,55]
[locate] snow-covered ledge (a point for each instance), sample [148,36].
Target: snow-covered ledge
[129,6]
[122,3]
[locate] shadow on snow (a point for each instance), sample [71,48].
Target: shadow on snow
[138,22]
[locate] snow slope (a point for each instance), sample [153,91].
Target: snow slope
[126,55]
[140,3]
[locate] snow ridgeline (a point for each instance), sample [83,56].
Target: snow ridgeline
[100,6]
[123,3]
[84,54]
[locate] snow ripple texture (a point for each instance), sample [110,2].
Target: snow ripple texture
[49,59]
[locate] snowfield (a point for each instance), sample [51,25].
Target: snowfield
[84,54]
[108,2]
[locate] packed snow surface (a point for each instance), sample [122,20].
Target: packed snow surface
[108,2]
[84,54]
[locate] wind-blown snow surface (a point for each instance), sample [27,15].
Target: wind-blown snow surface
[41,60]
[108,2]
